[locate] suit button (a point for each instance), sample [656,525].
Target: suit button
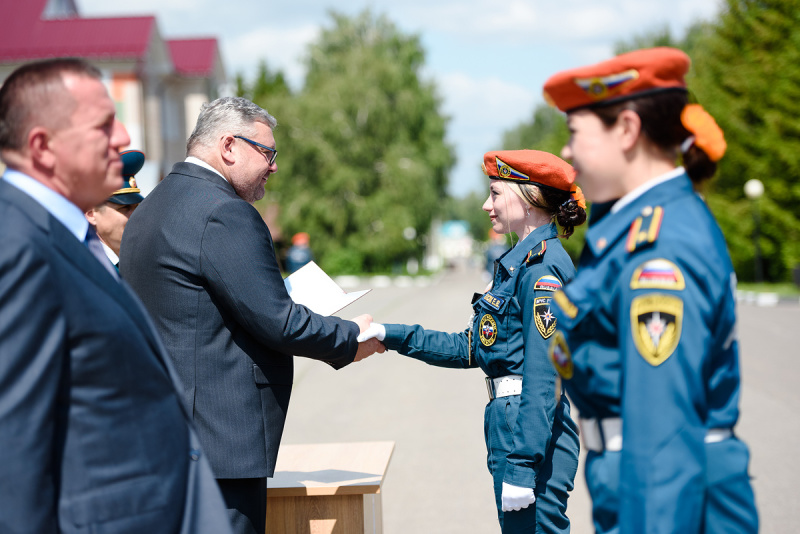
[194,454]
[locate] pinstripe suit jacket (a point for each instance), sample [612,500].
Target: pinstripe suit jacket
[93,434]
[203,263]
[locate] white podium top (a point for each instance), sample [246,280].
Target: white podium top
[330,469]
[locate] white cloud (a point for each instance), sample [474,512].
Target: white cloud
[481,109]
[483,101]
[283,48]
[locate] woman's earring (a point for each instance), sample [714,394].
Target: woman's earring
[527,212]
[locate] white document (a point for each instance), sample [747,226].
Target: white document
[311,287]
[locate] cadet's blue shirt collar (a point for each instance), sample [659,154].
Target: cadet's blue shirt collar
[645,187]
[517,255]
[612,226]
[58,206]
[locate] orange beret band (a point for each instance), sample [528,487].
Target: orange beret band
[577,196]
[708,136]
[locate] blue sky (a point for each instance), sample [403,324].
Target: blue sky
[489,58]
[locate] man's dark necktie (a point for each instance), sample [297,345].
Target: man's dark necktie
[92,242]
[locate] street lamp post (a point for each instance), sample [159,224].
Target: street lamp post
[753,189]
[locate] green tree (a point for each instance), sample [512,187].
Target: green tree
[469,209]
[747,75]
[546,130]
[362,149]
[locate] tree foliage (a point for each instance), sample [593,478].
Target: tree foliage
[747,75]
[362,149]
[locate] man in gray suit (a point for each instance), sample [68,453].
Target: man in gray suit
[93,435]
[202,260]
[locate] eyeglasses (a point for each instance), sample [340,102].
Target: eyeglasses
[270,153]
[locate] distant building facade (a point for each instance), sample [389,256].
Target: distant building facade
[158,85]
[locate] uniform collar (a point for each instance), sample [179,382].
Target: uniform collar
[645,187]
[517,255]
[610,228]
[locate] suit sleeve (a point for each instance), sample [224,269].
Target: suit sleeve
[429,346]
[239,263]
[32,359]
[534,427]
[663,337]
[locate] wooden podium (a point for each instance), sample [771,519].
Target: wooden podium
[328,488]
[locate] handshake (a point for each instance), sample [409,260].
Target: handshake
[370,337]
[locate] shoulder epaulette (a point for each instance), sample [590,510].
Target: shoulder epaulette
[536,252]
[645,228]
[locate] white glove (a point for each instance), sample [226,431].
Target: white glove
[516,498]
[374,330]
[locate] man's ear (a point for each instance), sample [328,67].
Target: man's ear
[91,216]
[630,126]
[227,149]
[38,145]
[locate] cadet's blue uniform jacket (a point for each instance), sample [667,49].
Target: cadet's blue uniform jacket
[650,323]
[509,337]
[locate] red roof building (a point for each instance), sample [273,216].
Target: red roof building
[157,84]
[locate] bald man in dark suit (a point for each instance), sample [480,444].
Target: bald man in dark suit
[93,436]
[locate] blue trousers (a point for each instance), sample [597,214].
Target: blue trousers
[556,475]
[729,505]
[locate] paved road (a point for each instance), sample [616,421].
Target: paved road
[437,481]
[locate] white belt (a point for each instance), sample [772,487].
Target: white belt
[606,434]
[504,386]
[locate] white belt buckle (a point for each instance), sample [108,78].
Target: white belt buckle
[600,435]
[504,386]
[590,434]
[612,433]
[715,435]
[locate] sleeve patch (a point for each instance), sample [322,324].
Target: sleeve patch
[547,283]
[658,274]
[543,316]
[656,321]
[560,356]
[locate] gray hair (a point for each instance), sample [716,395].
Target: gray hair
[228,114]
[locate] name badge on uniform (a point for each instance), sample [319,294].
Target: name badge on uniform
[493,301]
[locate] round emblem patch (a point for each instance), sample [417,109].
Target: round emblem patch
[560,356]
[505,171]
[488,330]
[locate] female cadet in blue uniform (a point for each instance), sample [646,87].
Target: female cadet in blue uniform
[650,318]
[531,440]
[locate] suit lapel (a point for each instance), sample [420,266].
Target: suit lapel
[76,253]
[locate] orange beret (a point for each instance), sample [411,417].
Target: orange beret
[529,166]
[300,238]
[626,76]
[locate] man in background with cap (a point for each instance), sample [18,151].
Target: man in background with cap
[299,253]
[110,217]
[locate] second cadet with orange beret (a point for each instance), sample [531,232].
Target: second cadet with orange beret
[531,439]
[646,338]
